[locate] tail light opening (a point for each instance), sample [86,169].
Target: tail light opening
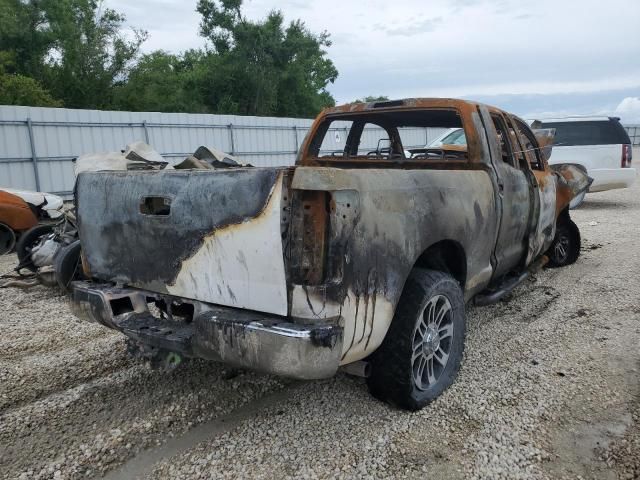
[310,227]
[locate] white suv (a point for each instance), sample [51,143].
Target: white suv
[600,144]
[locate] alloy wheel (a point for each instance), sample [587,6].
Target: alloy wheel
[432,342]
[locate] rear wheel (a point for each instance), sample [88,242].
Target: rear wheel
[421,353]
[7,239]
[565,248]
[67,265]
[28,240]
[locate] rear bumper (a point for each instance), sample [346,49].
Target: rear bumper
[238,337]
[611,178]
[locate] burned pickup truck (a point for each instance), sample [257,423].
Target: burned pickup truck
[356,257]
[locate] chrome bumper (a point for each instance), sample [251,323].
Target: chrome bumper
[238,337]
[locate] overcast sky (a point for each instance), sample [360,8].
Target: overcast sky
[535,58]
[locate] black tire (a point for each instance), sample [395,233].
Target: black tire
[26,243]
[67,265]
[565,248]
[394,366]
[7,239]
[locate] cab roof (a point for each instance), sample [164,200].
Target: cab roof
[408,103]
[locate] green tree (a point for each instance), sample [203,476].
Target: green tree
[81,54]
[91,53]
[73,48]
[25,37]
[21,90]
[264,68]
[163,82]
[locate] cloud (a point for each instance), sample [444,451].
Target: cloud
[629,110]
[416,28]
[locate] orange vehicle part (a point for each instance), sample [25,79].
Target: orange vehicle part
[15,213]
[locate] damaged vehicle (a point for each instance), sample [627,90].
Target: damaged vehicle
[354,258]
[21,210]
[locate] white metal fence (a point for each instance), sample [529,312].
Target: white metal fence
[38,145]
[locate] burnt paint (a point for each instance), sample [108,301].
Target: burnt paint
[145,250]
[393,216]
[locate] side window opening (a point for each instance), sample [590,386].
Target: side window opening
[530,144]
[504,141]
[519,152]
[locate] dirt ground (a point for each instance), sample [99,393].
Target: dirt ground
[549,388]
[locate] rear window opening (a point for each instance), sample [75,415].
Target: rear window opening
[387,136]
[597,132]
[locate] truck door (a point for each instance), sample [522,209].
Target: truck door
[543,191]
[513,192]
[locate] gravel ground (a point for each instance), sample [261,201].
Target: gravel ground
[549,388]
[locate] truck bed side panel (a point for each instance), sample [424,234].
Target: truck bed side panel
[400,213]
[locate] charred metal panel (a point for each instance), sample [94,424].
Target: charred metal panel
[545,225]
[396,216]
[514,197]
[572,180]
[210,245]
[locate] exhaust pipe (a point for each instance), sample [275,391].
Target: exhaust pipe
[357,369]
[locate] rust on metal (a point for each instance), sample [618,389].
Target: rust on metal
[572,181]
[310,224]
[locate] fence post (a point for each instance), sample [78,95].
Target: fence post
[34,157]
[146,132]
[295,139]
[233,146]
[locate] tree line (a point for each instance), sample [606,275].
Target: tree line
[78,54]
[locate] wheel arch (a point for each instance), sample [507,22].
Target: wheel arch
[446,256]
